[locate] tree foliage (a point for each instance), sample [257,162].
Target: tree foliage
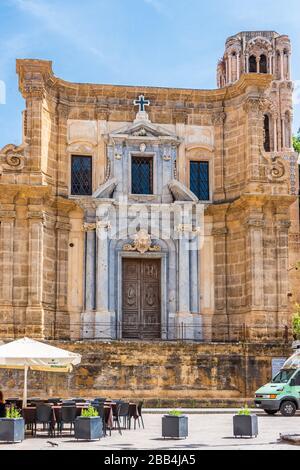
[296,142]
[296,322]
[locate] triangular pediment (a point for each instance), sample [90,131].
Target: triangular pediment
[144,129]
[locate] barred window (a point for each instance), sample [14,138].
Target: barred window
[81,176]
[142,175]
[199,180]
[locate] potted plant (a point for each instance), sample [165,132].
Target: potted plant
[88,426]
[12,428]
[175,425]
[245,424]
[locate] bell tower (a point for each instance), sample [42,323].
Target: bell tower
[270,53]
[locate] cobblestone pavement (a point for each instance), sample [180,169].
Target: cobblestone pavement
[206,432]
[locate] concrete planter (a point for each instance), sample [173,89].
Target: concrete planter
[88,429]
[175,427]
[245,426]
[12,430]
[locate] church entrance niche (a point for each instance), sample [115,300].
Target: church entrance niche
[141,299]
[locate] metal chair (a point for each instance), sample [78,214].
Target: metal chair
[140,416]
[101,412]
[122,413]
[44,416]
[68,416]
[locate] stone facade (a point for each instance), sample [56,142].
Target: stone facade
[61,255]
[162,374]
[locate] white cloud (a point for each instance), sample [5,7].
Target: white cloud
[54,20]
[158,6]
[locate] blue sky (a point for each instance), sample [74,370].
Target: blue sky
[173,43]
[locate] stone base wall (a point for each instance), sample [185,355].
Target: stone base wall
[163,374]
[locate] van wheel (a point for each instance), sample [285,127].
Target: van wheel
[288,409]
[271,412]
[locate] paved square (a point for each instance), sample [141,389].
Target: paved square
[206,431]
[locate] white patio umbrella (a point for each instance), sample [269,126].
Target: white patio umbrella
[27,354]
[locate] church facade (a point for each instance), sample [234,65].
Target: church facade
[140,213]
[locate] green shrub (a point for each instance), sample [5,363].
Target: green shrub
[175,413]
[90,412]
[244,411]
[13,413]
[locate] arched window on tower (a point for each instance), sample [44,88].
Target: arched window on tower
[252,64]
[263,64]
[267,141]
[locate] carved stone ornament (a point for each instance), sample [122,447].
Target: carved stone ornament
[88,227]
[12,157]
[142,243]
[277,169]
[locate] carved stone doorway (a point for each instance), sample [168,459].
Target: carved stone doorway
[141,299]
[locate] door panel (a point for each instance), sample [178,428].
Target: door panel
[141,299]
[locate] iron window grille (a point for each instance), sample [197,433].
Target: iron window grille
[81,176]
[142,175]
[199,180]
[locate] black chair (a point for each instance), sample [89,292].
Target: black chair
[122,413]
[68,403]
[68,416]
[55,401]
[44,416]
[101,412]
[2,410]
[140,415]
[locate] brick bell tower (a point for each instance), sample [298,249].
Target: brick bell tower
[270,53]
[267,52]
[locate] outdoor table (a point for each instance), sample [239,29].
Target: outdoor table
[29,415]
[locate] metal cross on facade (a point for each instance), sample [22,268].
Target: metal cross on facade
[141,102]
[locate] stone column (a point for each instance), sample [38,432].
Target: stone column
[282,65]
[184,318]
[275,117]
[230,68]
[103,327]
[35,322]
[90,280]
[6,266]
[238,66]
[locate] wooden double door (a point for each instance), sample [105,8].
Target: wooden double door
[141,306]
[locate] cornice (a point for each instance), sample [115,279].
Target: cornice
[34,73]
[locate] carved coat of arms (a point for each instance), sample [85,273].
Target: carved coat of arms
[142,243]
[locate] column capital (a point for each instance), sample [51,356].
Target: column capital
[89,227]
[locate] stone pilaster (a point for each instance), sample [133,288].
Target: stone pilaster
[90,280]
[62,327]
[35,312]
[103,325]
[6,266]
[62,139]
[254,107]
[219,170]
